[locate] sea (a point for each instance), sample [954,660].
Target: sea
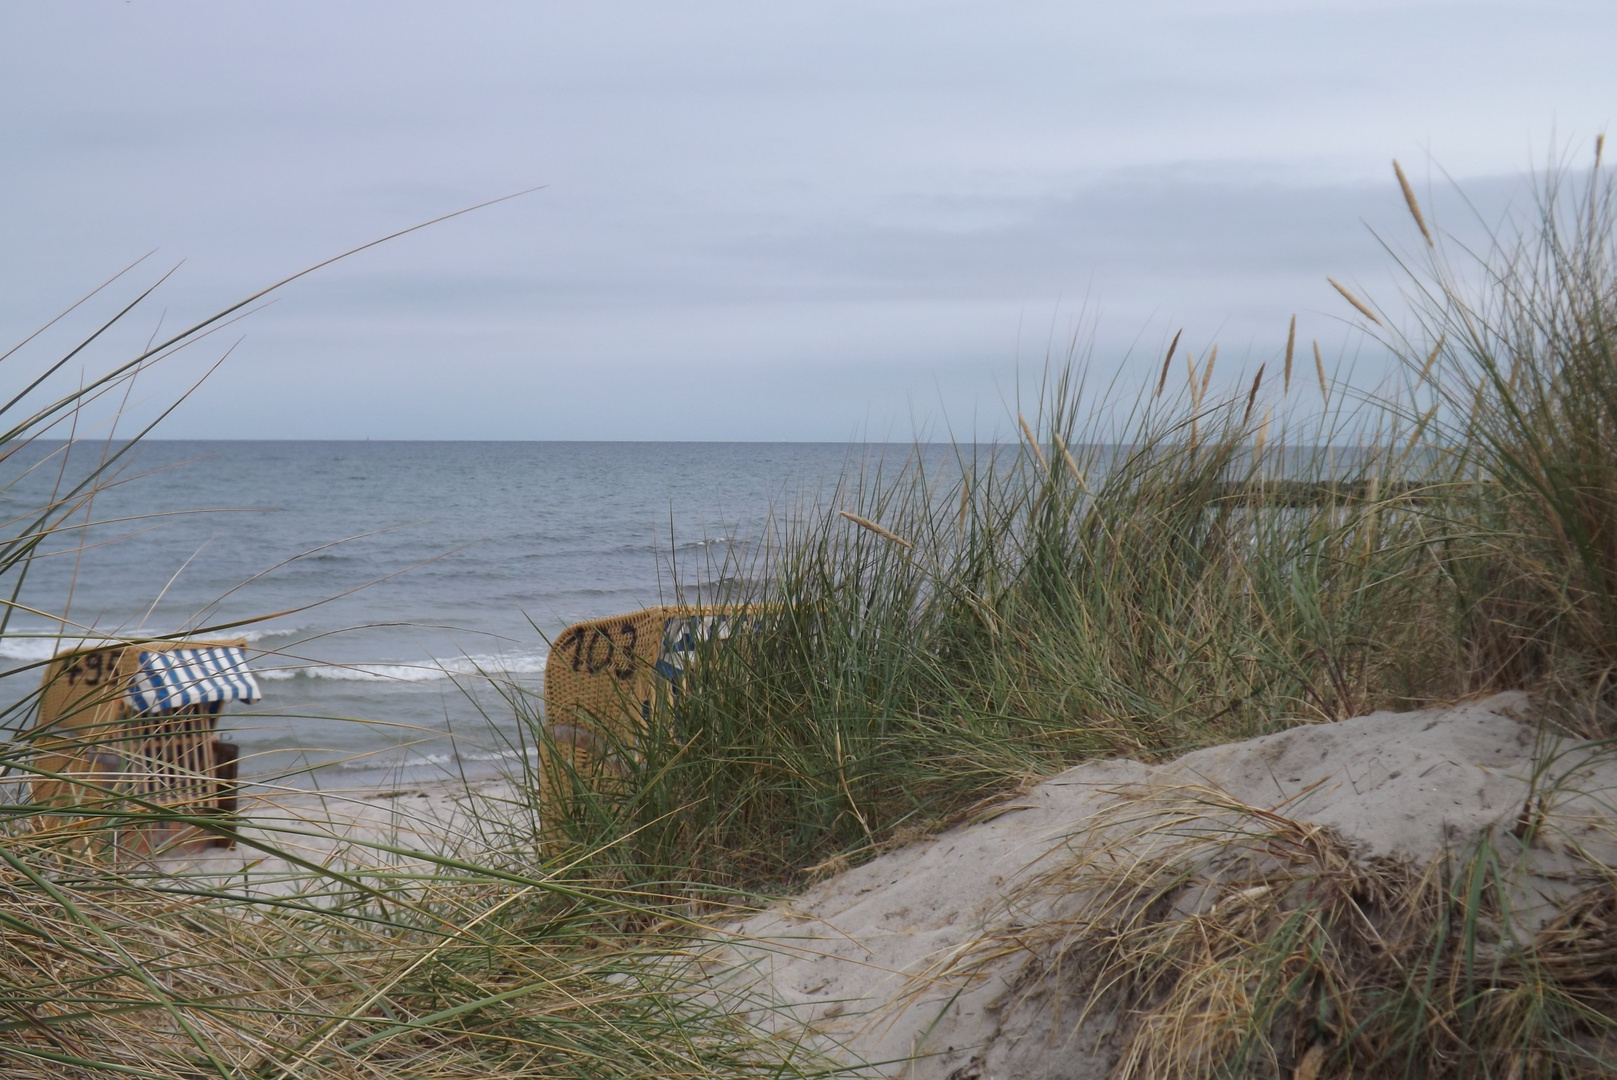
[397,596]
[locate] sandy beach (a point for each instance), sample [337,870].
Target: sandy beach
[386,830]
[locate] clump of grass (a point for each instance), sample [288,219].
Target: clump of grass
[1525,373]
[464,970]
[1203,938]
[940,629]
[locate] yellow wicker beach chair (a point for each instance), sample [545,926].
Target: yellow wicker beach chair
[602,681]
[132,727]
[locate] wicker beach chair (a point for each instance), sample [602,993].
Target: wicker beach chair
[130,729]
[602,681]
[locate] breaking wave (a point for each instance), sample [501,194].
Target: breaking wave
[31,645]
[395,671]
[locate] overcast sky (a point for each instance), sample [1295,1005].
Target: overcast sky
[760,221]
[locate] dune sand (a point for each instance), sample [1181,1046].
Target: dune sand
[883,964]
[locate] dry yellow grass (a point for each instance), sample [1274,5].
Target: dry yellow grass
[1209,938]
[1409,200]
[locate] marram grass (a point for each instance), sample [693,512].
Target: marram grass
[1134,578]
[1208,938]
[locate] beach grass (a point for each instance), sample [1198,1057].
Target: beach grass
[1131,586]
[1235,941]
[1131,577]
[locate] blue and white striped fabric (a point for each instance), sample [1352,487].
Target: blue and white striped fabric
[683,636]
[168,680]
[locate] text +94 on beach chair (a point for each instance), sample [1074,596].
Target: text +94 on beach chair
[131,730]
[604,677]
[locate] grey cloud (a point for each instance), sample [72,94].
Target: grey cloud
[788,218]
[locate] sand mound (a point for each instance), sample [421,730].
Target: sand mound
[943,959]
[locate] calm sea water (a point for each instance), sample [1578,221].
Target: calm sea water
[393,572]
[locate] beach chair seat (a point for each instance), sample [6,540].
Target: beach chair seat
[131,729]
[604,677]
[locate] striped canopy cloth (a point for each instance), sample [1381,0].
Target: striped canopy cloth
[168,680]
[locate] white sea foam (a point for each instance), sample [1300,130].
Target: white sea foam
[30,645]
[428,671]
[33,645]
[504,755]
[269,632]
[28,648]
[371,763]
[415,760]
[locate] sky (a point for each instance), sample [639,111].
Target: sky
[792,221]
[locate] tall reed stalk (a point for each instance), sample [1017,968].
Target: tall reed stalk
[1525,373]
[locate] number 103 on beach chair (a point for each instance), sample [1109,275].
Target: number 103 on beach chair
[130,731]
[603,680]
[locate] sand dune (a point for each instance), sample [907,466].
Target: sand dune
[939,959]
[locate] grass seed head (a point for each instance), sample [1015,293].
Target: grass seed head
[1167,361]
[1409,200]
[1291,349]
[1354,300]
